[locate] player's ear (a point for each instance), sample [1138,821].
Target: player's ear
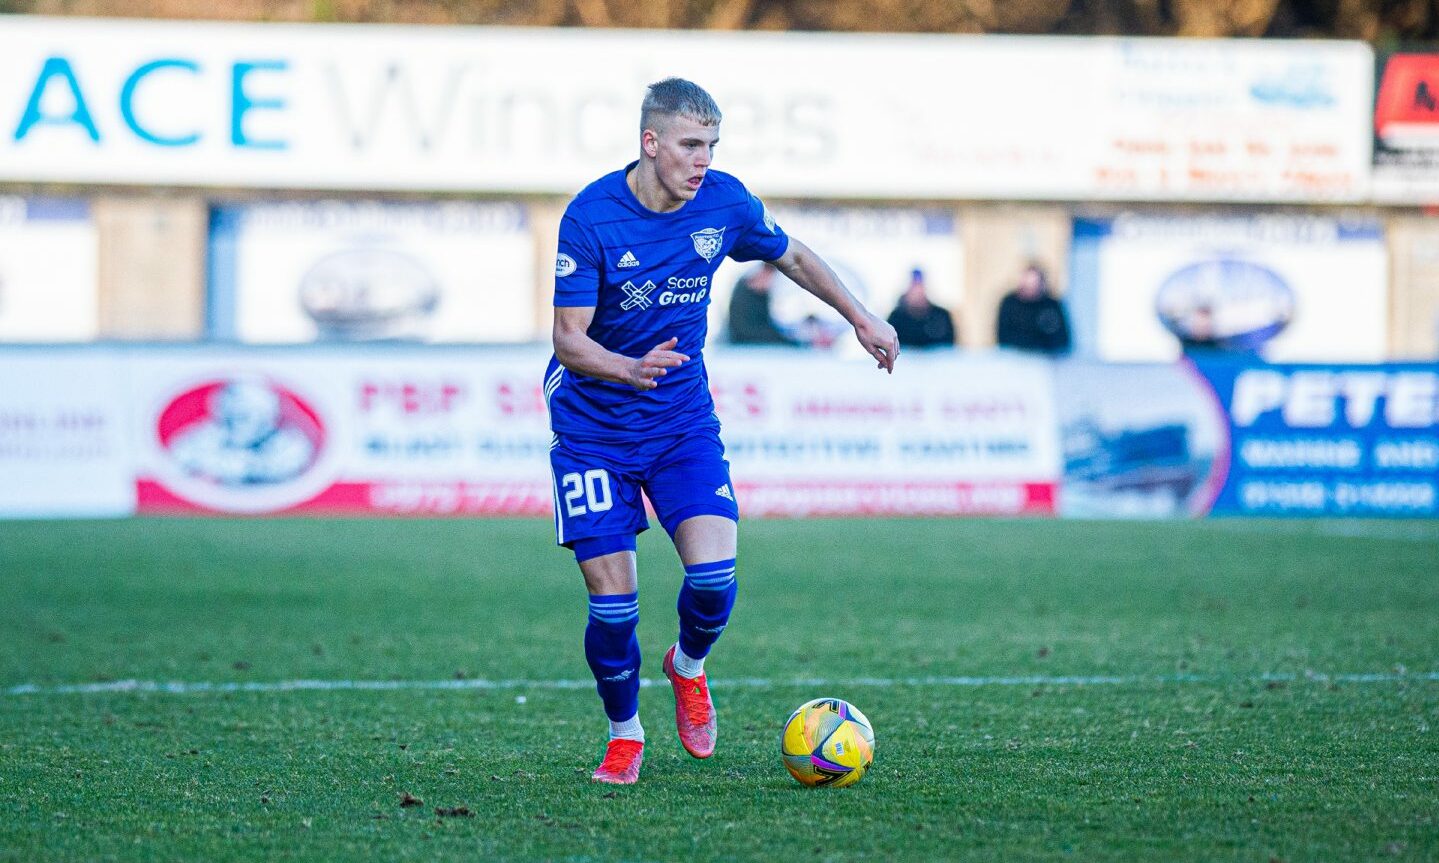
[650,142]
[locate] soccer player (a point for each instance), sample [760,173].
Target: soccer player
[630,405]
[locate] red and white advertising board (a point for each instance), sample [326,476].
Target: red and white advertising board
[439,432]
[378,432]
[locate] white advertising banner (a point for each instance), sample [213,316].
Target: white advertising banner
[363,271]
[64,444]
[447,431]
[873,249]
[1280,288]
[404,432]
[817,115]
[943,435]
[49,277]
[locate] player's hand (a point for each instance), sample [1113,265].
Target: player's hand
[655,364]
[879,340]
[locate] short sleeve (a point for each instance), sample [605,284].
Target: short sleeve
[761,238]
[577,274]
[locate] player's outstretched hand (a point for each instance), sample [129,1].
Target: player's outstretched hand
[655,364]
[879,340]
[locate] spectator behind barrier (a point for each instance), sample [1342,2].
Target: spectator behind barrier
[750,321]
[1031,318]
[918,321]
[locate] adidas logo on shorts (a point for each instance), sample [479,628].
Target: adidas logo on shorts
[628,260]
[724,492]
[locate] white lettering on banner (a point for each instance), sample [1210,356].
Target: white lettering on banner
[324,106]
[1420,454]
[1317,399]
[449,498]
[1385,496]
[1285,496]
[1344,454]
[1313,496]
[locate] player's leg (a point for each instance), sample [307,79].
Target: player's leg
[694,500]
[612,649]
[598,511]
[706,545]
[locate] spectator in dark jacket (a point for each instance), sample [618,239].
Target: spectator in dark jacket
[750,322]
[919,322]
[1031,318]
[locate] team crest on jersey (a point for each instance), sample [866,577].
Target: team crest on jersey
[708,242]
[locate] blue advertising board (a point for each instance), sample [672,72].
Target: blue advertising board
[1328,440]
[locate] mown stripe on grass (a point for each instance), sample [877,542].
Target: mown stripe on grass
[200,687]
[1392,531]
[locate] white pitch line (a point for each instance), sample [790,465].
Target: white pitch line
[180,687]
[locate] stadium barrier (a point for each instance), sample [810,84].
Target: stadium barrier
[391,430]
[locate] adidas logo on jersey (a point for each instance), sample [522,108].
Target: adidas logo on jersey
[724,492]
[628,260]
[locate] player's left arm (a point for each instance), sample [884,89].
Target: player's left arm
[808,270]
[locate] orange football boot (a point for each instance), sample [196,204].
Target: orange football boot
[694,711]
[621,765]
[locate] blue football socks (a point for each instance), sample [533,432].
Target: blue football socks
[613,653]
[704,605]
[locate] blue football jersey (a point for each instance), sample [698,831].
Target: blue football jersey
[649,277]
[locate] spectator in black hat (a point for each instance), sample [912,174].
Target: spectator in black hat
[919,322]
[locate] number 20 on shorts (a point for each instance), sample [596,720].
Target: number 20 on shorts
[587,492]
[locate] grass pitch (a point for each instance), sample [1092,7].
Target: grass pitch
[1040,690]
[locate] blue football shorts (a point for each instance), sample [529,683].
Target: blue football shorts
[597,484]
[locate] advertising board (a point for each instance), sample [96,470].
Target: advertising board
[372,271]
[502,110]
[49,270]
[1332,440]
[446,431]
[64,440]
[1138,441]
[1285,288]
[253,432]
[1406,129]
[387,432]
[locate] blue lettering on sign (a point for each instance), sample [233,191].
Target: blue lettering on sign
[242,103]
[79,115]
[127,102]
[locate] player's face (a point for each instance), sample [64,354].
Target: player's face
[682,150]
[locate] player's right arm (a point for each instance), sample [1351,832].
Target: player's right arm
[579,353]
[577,290]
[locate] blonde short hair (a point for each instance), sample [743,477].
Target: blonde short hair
[676,97]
